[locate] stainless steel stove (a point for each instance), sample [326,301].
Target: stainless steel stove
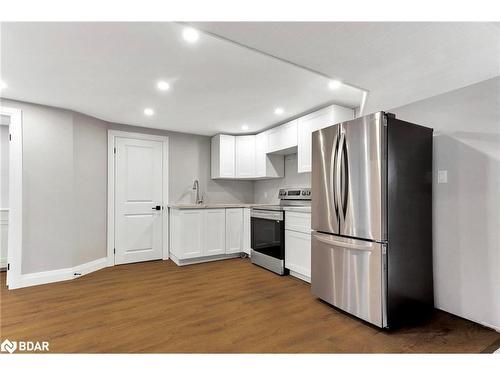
[268,229]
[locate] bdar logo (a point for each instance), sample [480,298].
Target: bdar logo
[8,346]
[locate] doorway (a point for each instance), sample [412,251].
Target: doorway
[11,194]
[137,197]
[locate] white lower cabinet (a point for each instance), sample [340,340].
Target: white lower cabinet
[234,230]
[298,244]
[215,241]
[187,233]
[298,254]
[246,231]
[208,233]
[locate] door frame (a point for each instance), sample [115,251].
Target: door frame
[15,230]
[112,135]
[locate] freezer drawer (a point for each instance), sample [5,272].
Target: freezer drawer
[348,274]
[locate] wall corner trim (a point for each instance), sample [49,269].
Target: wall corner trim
[63,274]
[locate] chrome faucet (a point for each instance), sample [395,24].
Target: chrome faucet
[196,186]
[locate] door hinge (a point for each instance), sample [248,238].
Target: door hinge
[10,137]
[114,150]
[114,251]
[8,266]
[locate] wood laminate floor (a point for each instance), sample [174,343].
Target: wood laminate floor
[228,306]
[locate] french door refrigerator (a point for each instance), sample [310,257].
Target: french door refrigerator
[371,252]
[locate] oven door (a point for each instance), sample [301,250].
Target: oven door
[268,233]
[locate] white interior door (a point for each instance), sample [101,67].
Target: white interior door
[138,194]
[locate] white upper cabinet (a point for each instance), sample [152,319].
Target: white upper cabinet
[314,121]
[260,154]
[282,139]
[223,156]
[245,156]
[267,165]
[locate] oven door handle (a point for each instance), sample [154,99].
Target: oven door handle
[258,214]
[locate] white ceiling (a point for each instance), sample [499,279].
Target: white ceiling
[398,62]
[109,70]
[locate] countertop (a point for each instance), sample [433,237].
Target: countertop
[188,206]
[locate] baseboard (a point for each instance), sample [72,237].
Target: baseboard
[496,328]
[300,276]
[90,267]
[3,263]
[64,274]
[187,262]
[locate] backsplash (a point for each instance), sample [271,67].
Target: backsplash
[266,191]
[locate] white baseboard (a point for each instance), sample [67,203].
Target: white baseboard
[63,274]
[496,328]
[186,262]
[3,263]
[300,276]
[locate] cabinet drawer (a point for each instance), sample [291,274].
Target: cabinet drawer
[298,221]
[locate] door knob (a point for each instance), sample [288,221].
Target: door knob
[157,208]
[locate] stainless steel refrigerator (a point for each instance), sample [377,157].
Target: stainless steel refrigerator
[371,253]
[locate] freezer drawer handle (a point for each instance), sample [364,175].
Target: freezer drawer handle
[329,241]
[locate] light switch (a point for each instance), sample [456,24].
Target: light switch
[443,177]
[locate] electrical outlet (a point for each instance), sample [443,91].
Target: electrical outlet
[443,177]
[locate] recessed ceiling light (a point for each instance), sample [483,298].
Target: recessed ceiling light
[149,111]
[334,84]
[163,86]
[244,127]
[190,35]
[3,85]
[279,111]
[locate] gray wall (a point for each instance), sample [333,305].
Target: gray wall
[266,191]
[467,208]
[64,183]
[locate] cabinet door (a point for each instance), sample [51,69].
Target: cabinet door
[298,253]
[245,156]
[246,231]
[191,227]
[314,121]
[260,154]
[226,156]
[282,137]
[234,230]
[215,232]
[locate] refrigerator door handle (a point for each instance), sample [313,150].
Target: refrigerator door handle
[327,239]
[345,178]
[338,189]
[333,175]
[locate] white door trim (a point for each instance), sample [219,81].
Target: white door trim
[15,234]
[112,135]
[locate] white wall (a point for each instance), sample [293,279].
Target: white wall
[467,208]
[266,191]
[65,183]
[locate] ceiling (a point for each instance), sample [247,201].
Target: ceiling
[110,71]
[239,72]
[398,63]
